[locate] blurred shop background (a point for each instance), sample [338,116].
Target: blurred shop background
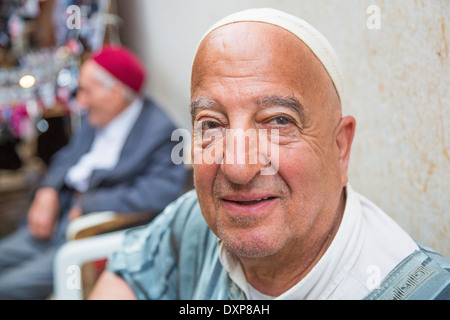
[395,57]
[39,60]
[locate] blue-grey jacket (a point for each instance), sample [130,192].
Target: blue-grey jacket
[145,178]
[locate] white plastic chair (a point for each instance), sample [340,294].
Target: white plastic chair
[90,238]
[73,254]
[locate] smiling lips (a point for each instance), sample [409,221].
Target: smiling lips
[252,205]
[249,202]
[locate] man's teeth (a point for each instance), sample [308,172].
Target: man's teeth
[253,201]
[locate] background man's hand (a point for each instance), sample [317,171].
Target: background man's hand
[43,213]
[75,213]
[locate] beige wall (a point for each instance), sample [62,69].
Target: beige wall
[397,87]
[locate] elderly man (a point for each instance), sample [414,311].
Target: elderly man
[119,160]
[300,232]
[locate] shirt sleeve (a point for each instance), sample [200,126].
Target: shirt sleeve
[147,259]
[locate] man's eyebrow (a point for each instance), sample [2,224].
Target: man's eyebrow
[200,103]
[264,102]
[286,102]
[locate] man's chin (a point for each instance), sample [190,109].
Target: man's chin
[252,244]
[95,122]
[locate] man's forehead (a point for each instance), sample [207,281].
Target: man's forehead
[308,35]
[250,40]
[254,60]
[246,42]
[89,68]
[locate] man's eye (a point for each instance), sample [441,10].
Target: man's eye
[207,125]
[280,120]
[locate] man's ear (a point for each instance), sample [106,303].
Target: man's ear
[118,95]
[344,138]
[117,91]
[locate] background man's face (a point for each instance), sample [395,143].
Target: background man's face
[102,104]
[258,76]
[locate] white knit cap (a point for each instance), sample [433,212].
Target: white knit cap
[318,44]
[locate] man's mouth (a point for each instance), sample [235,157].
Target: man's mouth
[250,202]
[253,205]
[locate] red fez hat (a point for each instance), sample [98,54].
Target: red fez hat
[122,64]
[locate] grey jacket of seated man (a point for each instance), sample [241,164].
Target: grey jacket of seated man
[145,178]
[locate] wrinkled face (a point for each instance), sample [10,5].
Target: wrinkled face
[254,76]
[102,104]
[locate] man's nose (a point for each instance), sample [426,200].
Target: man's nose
[242,159]
[81,101]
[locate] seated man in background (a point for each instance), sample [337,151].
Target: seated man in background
[119,160]
[288,226]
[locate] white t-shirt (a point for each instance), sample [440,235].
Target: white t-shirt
[367,246]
